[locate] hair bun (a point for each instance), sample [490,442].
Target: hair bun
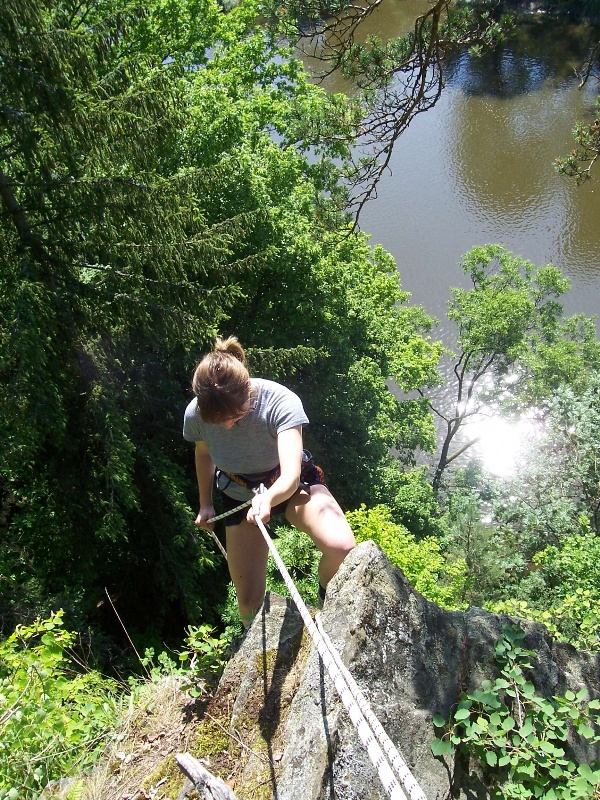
[230,347]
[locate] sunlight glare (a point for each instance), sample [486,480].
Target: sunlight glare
[501,442]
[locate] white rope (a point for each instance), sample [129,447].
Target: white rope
[410,784]
[376,755]
[222,516]
[231,511]
[257,490]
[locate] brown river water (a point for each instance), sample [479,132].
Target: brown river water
[478,168]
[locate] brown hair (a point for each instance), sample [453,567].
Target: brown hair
[221,382]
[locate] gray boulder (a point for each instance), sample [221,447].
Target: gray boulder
[289,735]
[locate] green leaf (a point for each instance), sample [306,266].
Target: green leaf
[441,747]
[585,731]
[582,785]
[462,713]
[585,771]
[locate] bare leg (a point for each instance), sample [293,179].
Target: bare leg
[320,516]
[247,554]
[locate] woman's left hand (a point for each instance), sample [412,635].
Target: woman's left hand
[260,508]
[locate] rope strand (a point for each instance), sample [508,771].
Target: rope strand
[326,650]
[410,784]
[368,727]
[231,511]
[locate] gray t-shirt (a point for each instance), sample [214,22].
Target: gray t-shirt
[249,448]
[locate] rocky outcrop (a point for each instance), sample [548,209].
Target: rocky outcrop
[288,734]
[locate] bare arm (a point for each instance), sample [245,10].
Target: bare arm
[289,448]
[205,473]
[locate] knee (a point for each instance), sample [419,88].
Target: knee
[341,549]
[340,544]
[344,540]
[337,533]
[333,554]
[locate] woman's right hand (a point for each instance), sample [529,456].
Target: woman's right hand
[205,513]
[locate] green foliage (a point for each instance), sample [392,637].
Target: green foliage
[53,719]
[518,737]
[413,502]
[147,206]
[301,559]
[207,652]
[575,565]
[566,355]
[487,556]
[100,288]
[537,554]
[198,665]
[580,161]
[510,323]
[555,496]
[355,317]
[563,592]
[573,618]
[422,561]
[510,302]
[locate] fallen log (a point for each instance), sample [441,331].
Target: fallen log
[208,786]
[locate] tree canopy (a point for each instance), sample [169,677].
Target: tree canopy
[169,172]
[510,326]
[158,185]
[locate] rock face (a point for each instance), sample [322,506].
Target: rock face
[410,658]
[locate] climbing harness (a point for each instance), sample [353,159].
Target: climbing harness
[310,474]
[369,729]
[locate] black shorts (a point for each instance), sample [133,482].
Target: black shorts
[310,475]
[234,519]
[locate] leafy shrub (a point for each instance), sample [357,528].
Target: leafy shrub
[204,658]
[574,619]
[519,737]
[566,597]
[197,667]
[53,719]
[301,559]
[422,561]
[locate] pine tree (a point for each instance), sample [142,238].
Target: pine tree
[110,276]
